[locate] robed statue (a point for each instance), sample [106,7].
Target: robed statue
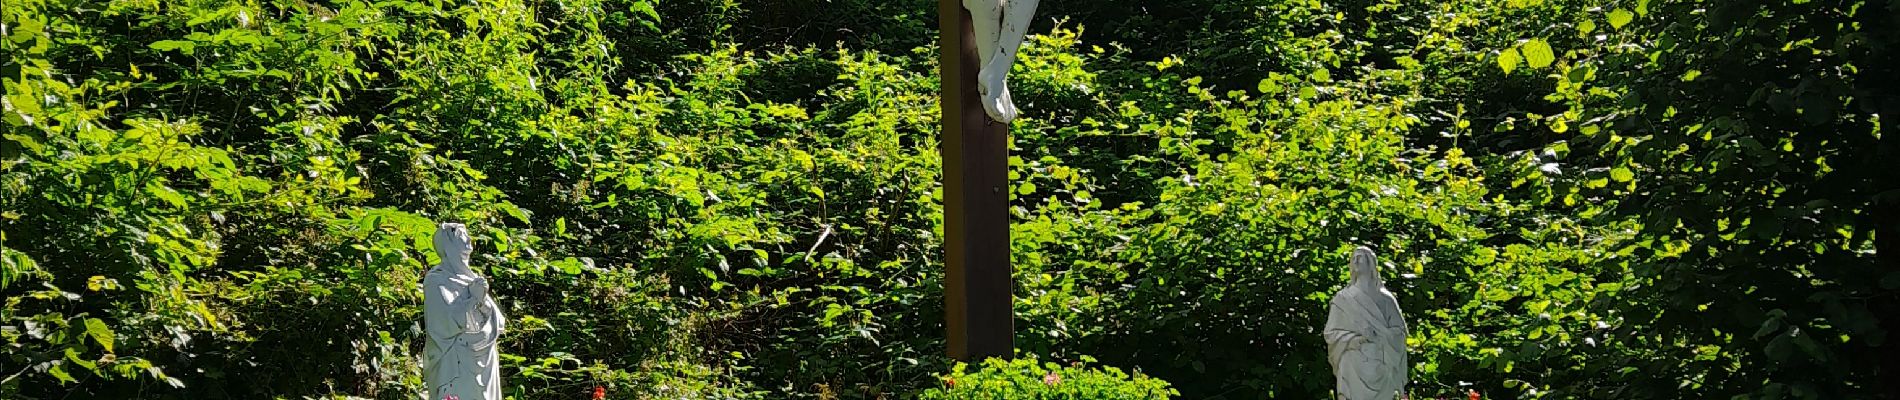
[462,322]
[1365,335]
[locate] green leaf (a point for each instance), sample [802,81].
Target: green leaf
[23,102]
[514,211]
[184,46]
[14,265]
[1484,256]
[1268,86]
[100,333]
[1497,295]
[1620,17]
[647,9]
[1621,174]
[1769,326]
[1508,60]
[1809,346]
[60,373]
[72,355]
[1537,53]
[167,194]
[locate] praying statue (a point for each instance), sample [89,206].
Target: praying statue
[1365,335]
[462,323]
[999,26]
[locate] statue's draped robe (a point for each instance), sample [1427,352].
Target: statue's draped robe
[1365,338]
[999,27]
[463,327]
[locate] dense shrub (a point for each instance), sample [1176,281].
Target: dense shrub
[1028,379]
[740,199]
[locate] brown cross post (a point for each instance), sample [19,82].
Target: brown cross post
[975,201]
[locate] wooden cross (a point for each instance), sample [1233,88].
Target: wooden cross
[977,287]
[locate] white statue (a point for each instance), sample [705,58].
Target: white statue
[463,324]
[1000,26]
[1365,335]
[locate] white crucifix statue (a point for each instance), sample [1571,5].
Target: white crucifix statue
[462,322]
[1365,335]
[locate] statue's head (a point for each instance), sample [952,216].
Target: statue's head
[451,241]
[1365,266]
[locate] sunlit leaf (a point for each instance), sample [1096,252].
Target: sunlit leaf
[97,329]
[58,371]
[1508,60]
[1537,53]
[1620,17]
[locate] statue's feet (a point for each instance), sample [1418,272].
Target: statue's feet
[985,87]
[999,106]
[983,90]
[989,79]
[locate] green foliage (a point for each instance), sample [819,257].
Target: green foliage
[1026,378]
[741,199]
[226,184]
[1727,160]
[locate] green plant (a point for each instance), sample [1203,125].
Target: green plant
[1029,379]
[740,198]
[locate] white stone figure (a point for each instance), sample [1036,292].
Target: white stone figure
[462,322]
[1365,335]
[1000,26]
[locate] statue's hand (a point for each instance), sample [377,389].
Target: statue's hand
[478,288]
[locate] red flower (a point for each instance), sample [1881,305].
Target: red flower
[1051,379]
[600,392]
[1473,395]
[950,382]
